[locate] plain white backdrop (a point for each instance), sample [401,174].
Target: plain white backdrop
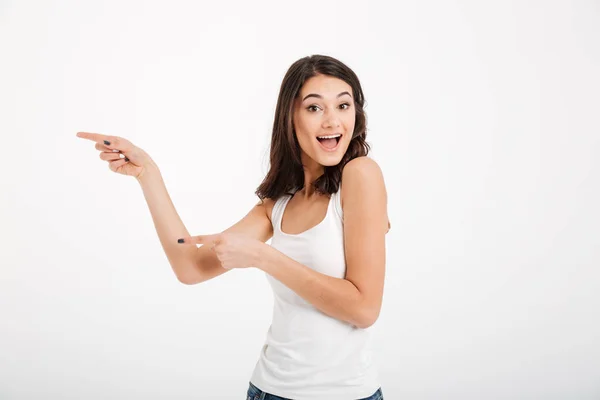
[482,115]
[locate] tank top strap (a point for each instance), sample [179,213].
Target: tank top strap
[337,202]
[278,208]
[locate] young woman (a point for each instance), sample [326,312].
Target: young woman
[324,204]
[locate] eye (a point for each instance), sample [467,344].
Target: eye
[310,108]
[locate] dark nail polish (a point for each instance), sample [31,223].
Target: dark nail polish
[106,142]
[180,241]
[126,159]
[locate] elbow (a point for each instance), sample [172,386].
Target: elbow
[187,279]
[184,281]
[366,322]
[366,318]
[186,274]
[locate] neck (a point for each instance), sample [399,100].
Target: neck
[309,192]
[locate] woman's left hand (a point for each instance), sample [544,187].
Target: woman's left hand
[234,250]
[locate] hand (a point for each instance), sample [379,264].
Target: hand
[135,160]
[234,250]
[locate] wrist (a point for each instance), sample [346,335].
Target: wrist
[261,255]
[149,172]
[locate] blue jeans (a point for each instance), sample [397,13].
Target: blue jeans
[255,393]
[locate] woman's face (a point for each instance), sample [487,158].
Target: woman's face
[325,107]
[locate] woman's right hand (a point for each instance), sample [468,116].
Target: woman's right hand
[135,162]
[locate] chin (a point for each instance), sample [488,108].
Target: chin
[326,158]
[330,160]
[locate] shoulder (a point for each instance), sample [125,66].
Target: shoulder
[363,188]
[361,173]
[361,166]
[267,204]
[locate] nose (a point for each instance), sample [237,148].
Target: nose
[331,119]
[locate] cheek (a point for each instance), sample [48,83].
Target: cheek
[350,120]
[305,131]
[304,139]
[305,124]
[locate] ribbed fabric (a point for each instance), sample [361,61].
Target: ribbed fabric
[307,354]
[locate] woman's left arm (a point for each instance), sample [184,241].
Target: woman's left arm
[358,297]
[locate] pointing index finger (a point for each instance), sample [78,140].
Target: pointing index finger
[200,239]
[115,142]
[96,137]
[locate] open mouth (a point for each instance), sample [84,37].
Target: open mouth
[330,142]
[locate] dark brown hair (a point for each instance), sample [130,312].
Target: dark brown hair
[286,174]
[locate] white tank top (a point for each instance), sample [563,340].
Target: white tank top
[307,354]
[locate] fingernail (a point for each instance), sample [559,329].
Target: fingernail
[180,240]
[126,159]
[116,151]
[106,142]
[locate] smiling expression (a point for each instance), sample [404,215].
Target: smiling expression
[324,107]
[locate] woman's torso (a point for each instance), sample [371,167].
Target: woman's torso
[308,354]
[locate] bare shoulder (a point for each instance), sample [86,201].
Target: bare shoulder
[257,223]
[267,204]
[363,181]
[359,172]
[362,165]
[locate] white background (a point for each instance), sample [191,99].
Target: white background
[482,114]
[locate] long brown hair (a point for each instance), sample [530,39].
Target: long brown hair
[286,174]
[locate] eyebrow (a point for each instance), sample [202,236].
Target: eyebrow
[320,97]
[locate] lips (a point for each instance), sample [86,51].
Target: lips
[332,134]
[337,139]
[329,142]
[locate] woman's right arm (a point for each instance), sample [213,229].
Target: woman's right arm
[189,263]
[168,224]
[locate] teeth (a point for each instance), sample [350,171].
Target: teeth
[328,137]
